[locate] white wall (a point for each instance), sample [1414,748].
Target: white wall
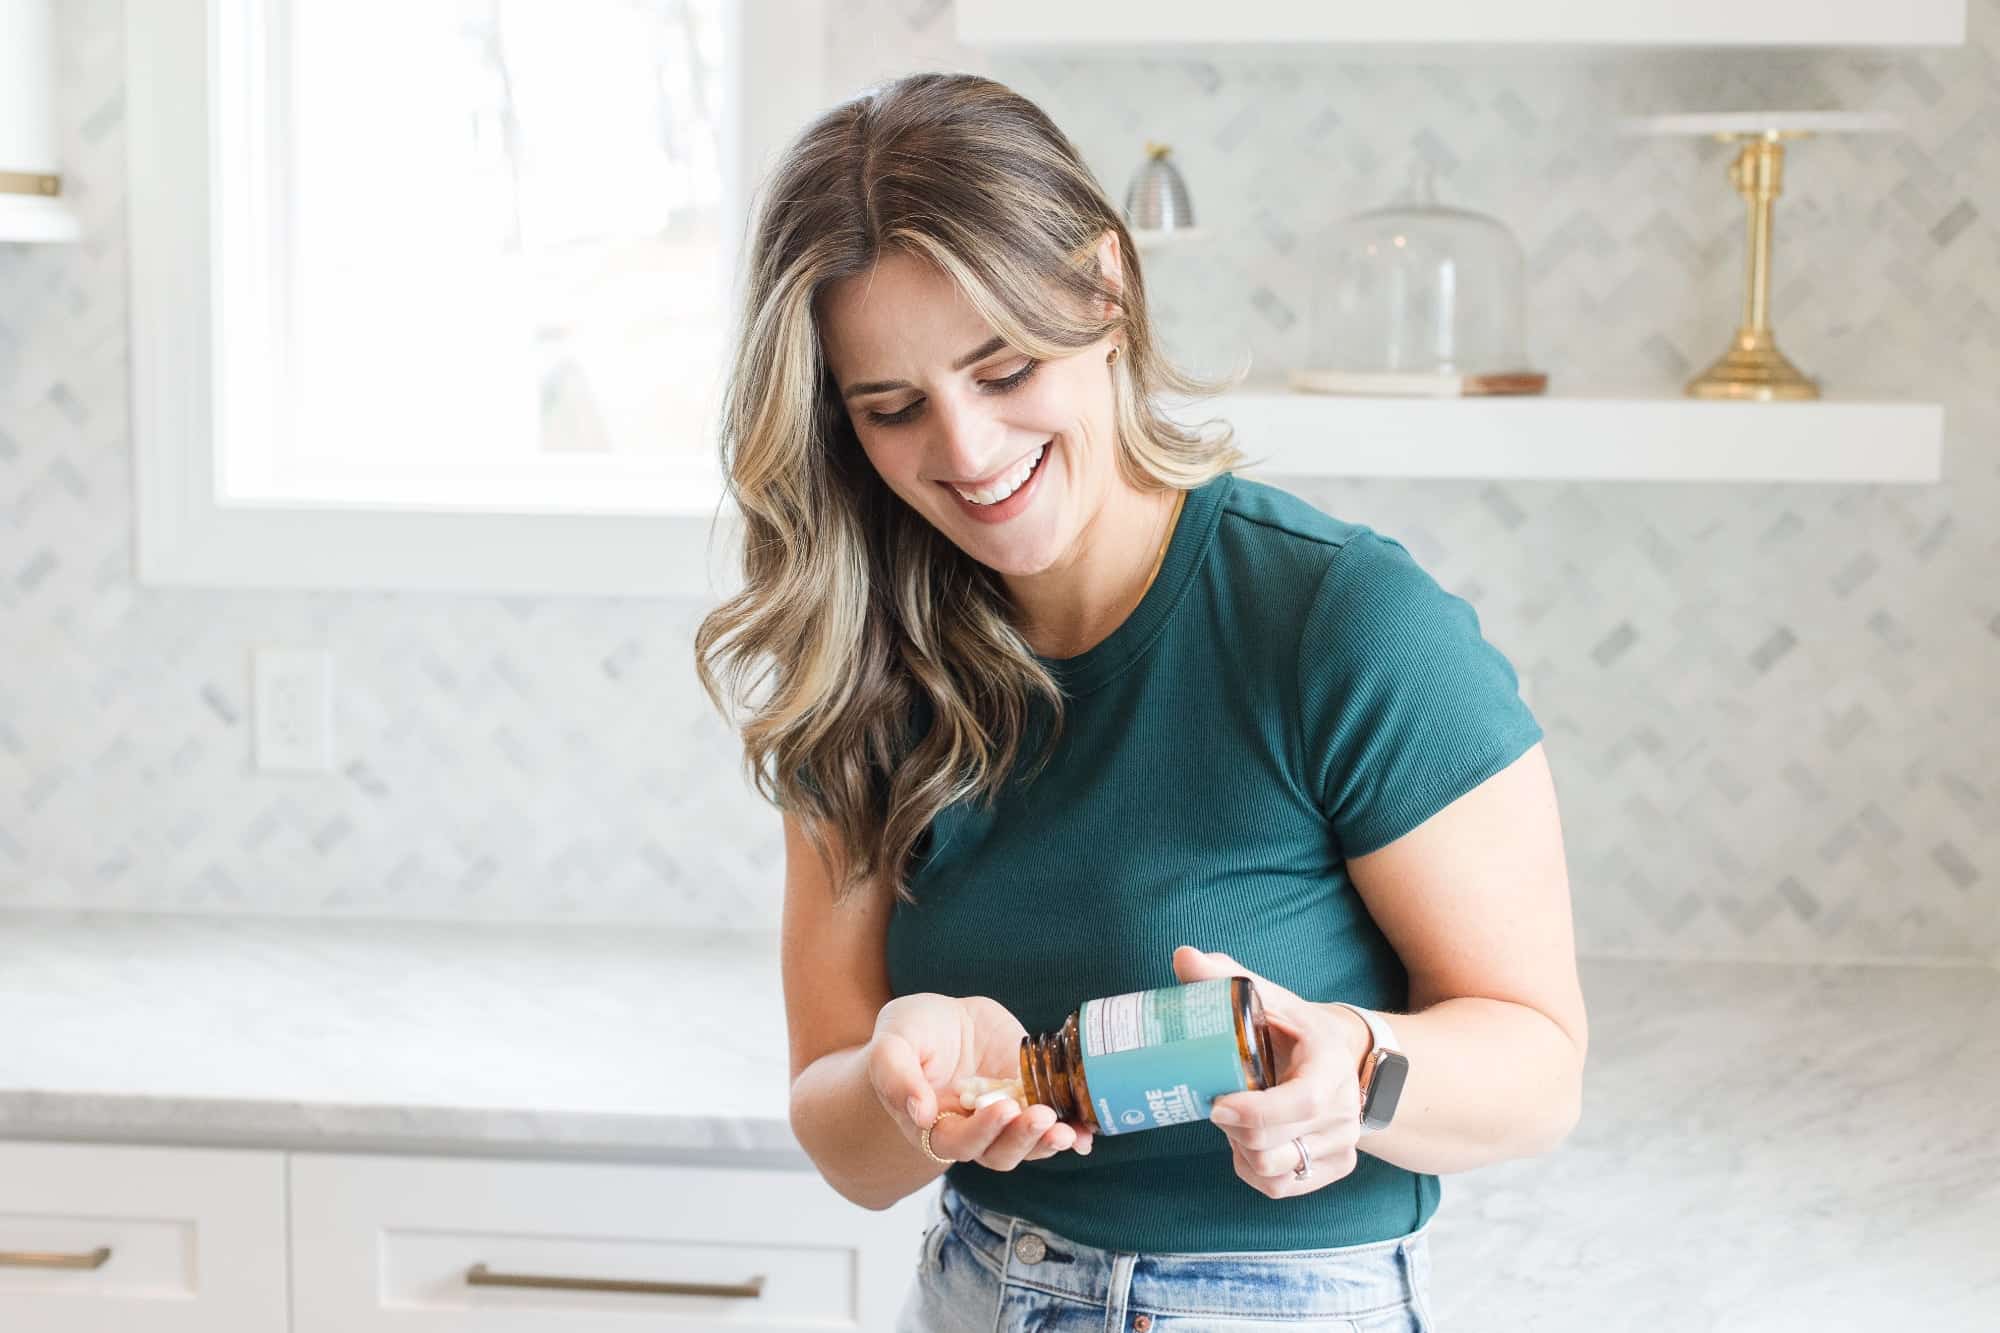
[1772,709]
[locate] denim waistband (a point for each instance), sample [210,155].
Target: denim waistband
[1345,1280]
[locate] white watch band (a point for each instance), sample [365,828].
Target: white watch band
[1378,1026]
[1381,1039]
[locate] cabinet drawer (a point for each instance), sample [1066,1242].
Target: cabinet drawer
[141,1240]
[426,1243]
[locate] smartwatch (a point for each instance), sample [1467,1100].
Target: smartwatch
[1383,1071]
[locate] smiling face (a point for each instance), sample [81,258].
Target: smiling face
[937,398]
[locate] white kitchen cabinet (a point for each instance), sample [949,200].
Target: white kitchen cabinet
[112,1238]
[400,1243]
[100,1238]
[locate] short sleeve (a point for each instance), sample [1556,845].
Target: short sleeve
[1404,705]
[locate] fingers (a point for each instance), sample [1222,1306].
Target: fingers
[1001,1135]
[1326,1148]
[1028,1135]
[1192,964]
[898,1076]
[1058,1137]
[1310,1098]
[1269,1170]
[970,1136]
[1031,1135]
[1022,1132]
[905,1091]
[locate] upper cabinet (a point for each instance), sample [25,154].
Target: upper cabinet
[1439,23]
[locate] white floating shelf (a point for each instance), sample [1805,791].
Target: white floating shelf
[1435,23]
[1558,438]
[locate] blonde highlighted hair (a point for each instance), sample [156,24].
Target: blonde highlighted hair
[854,608]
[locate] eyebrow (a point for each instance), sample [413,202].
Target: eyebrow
[979,353]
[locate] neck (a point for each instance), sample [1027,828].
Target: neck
[1072,607]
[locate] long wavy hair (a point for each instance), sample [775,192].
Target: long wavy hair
[854,608]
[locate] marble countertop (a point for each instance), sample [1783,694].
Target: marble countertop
[1764,1146]
[570,1041]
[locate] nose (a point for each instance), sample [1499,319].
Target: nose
[967,442]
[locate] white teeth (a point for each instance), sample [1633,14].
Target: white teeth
[1007,485]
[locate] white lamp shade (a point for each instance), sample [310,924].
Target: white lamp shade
[28,135]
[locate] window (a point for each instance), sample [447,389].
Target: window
[436,293]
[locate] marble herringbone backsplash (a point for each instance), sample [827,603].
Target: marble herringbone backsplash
[1773,711]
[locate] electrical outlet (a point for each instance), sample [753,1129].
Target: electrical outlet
[293,688]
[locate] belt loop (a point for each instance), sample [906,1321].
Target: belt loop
[1414,1280]
[1118,1291]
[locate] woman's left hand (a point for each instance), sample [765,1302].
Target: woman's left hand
[1318,1049]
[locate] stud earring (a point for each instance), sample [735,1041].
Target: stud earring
[1111,355]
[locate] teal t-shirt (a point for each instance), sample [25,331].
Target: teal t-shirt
[1292,690]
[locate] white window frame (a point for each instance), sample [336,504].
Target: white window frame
[187,536]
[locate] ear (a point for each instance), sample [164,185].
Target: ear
[1110,264]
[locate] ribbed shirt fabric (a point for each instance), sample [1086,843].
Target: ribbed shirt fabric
[1292,690]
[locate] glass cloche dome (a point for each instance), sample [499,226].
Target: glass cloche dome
[1417,297]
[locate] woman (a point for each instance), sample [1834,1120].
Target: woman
[1060,707]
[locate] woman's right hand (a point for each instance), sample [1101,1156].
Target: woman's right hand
[924,1044]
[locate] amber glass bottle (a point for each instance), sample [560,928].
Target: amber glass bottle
[1148,1059]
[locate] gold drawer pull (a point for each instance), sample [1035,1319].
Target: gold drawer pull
[480,1276]
[28,1259]
[30,182]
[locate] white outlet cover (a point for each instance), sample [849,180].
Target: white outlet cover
[292,714]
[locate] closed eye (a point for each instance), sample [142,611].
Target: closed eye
[1007,385]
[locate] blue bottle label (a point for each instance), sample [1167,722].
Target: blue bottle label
[1160,1057]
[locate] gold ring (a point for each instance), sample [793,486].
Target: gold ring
[941,1161]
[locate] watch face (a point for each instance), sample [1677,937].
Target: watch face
[1385,1086]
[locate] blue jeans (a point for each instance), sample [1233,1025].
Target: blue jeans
[985,1272]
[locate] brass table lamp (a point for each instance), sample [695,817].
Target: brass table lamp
[1753,367]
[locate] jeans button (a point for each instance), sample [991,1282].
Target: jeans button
[1030,1248]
